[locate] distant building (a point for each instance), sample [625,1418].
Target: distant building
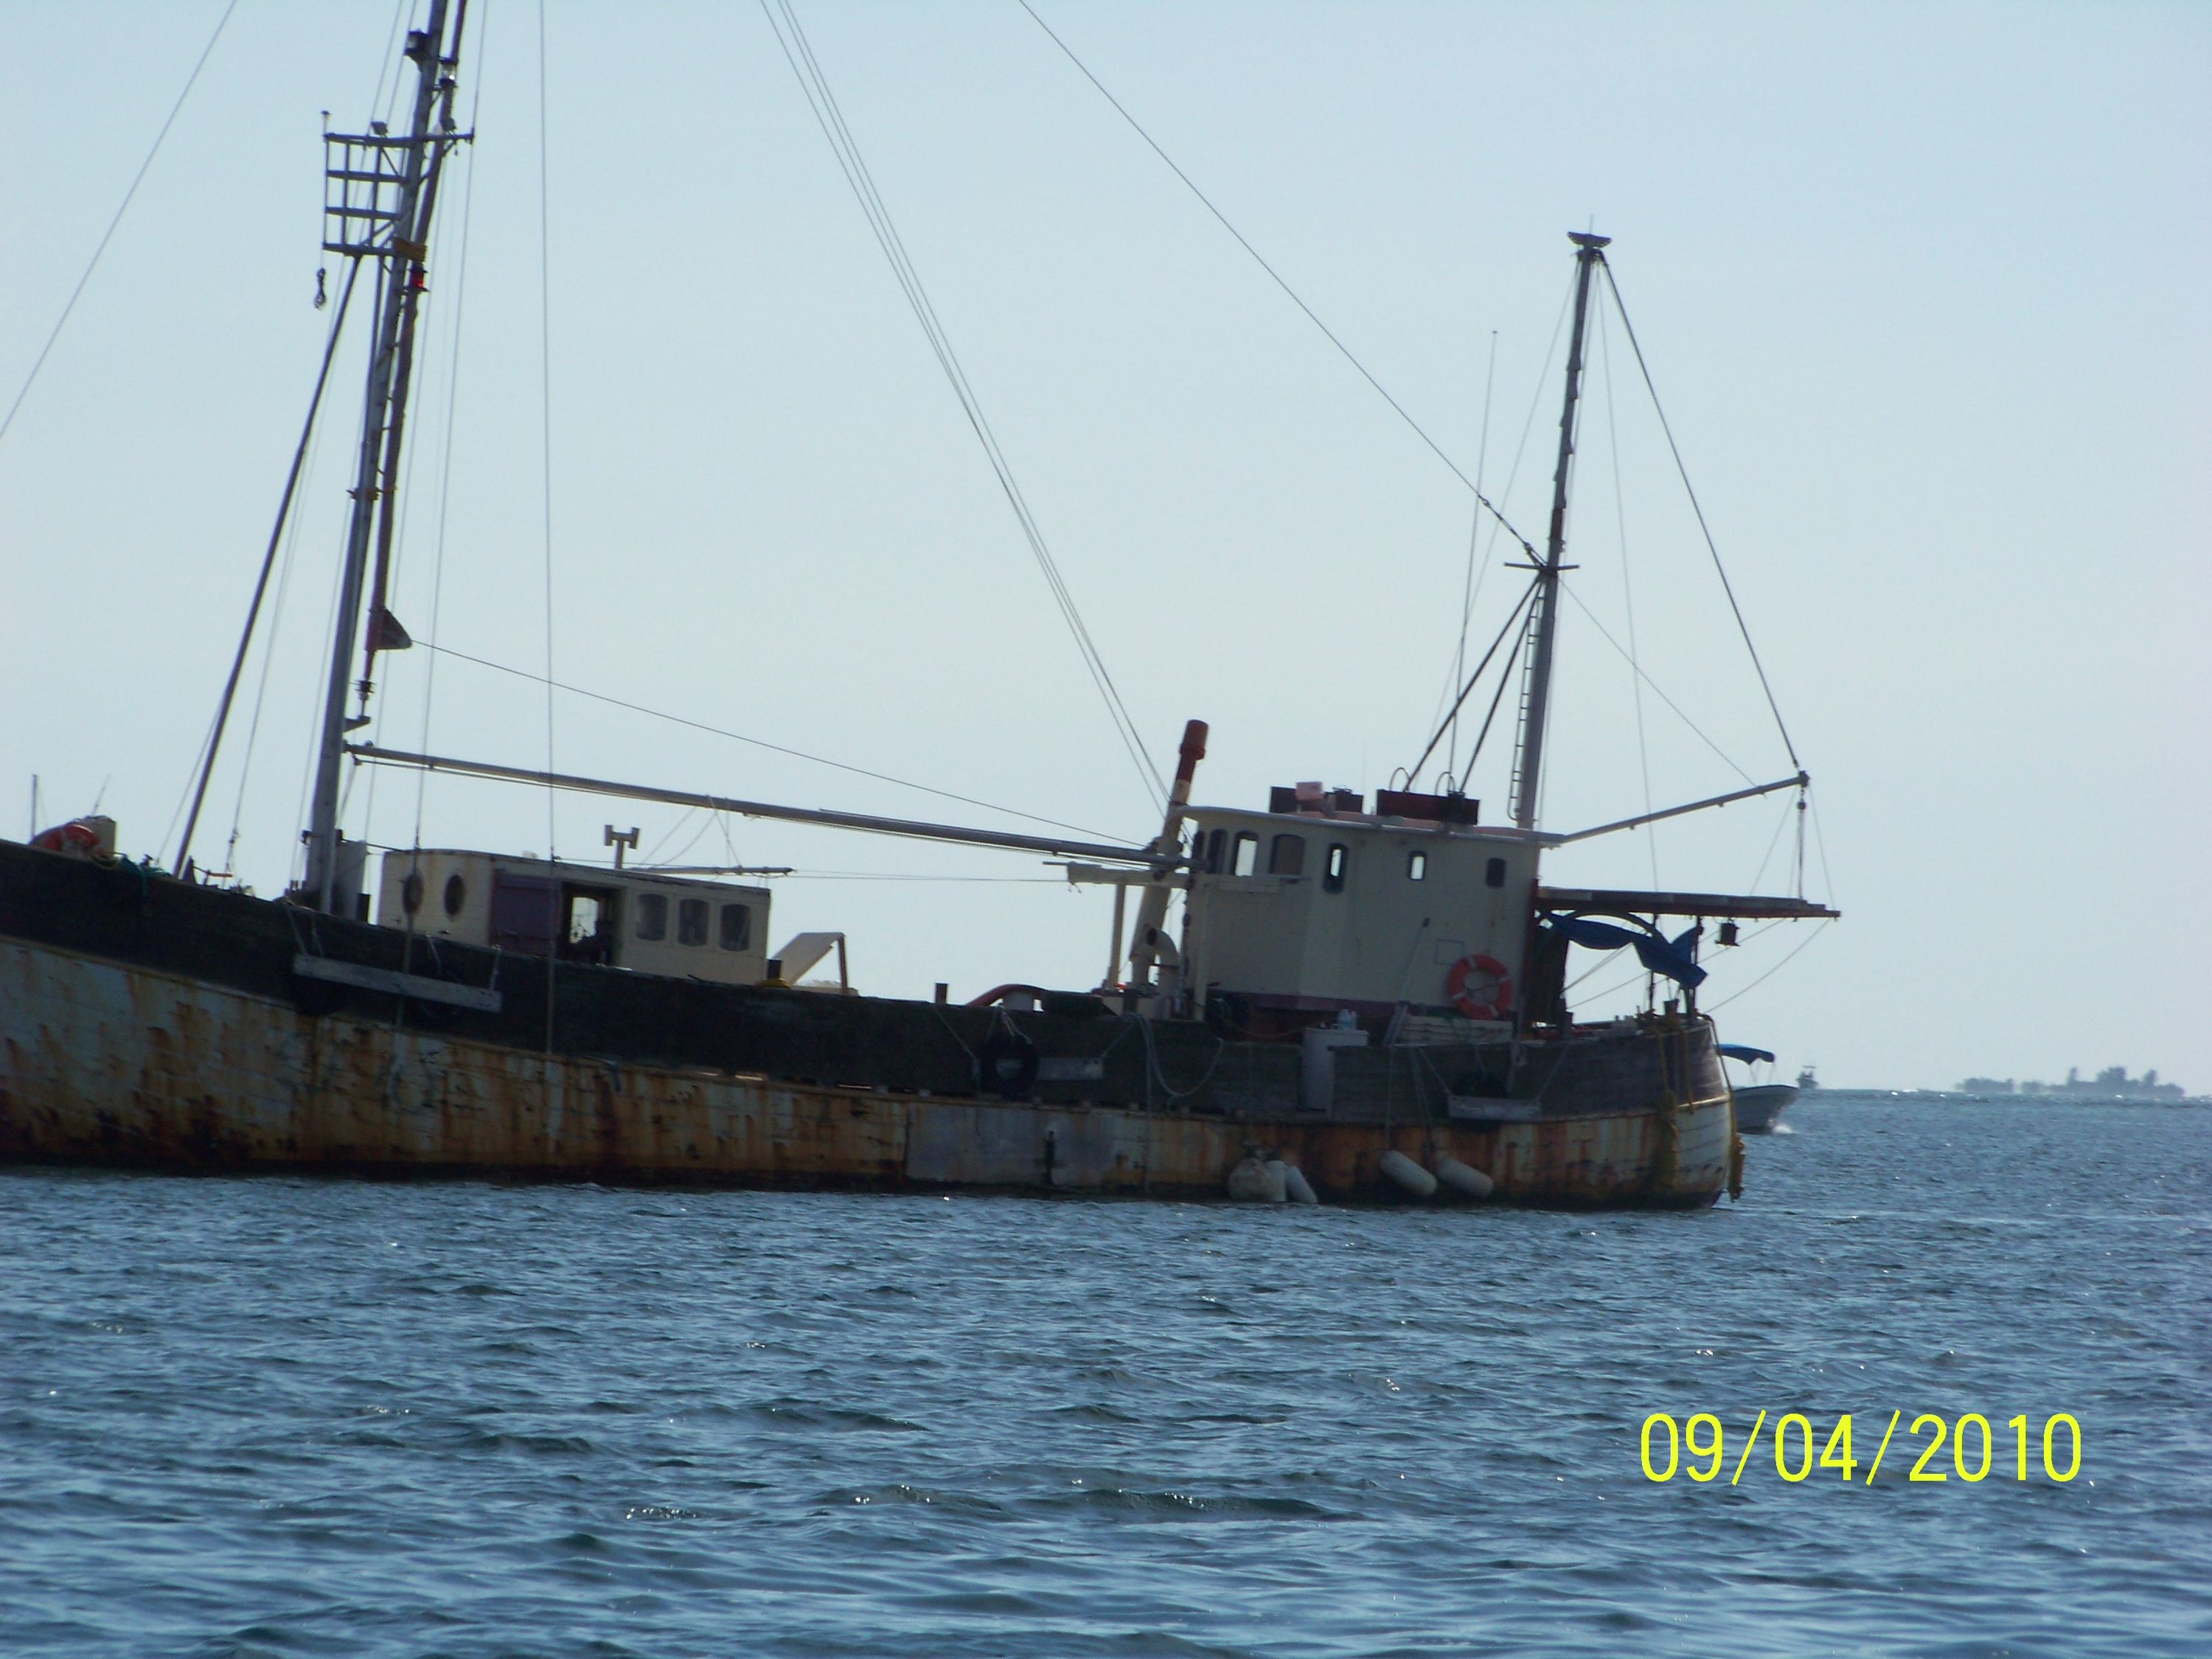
[2113,1083]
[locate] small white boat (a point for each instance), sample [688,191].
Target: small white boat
[1758,1105]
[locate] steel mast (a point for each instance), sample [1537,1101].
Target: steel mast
[1543,610]
[380,193]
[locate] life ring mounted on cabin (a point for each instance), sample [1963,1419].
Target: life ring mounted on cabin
[1479,988]
[80,836]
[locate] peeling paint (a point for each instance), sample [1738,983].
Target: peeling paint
[114,1064]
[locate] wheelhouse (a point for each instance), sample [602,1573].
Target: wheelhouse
[584,912]
[1319,907]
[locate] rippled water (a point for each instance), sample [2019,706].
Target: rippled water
[285,1417]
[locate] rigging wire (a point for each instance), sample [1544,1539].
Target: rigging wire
[389,64]
[1276,277]
[815,86]
[545,427]
[545,461]
[1727,588]
[284,570]
[706,823]
[1655,688]
[312,749]
[669,834]
[729,844]
[1504,679]
[1820,845]
[1818,931]
[452,405]
[1452,715]
[268,562]
[760,743]
[1471,585]
[1627,588]
[870,875]
[1520,454]
[1788,809]
[207,738]
[93,264]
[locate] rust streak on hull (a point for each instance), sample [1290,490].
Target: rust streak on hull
[119,1064]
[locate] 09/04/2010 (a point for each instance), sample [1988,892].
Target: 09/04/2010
[1799,1451]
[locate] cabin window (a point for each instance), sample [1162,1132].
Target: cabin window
[1332,869]
[585,917]
[1286,855]
[652,915]
[457,894]
[1493,873]
[1247,854]
[1417,866]
[410,892]
[691,921]
[737,927]
[1214,853]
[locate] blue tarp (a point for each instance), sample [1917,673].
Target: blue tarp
[1671,957]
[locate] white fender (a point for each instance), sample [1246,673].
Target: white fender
[1407,1174]
[1299,1189]
[1252,1182]
[1463,1179]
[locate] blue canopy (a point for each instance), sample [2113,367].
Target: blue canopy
[1737,1051]
[1671,957]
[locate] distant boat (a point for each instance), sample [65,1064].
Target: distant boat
[1760,1104]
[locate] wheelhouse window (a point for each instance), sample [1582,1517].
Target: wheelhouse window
[1286,855]
[1417,866]
[691,921]
[1247,854]
[1332,869]
[652,915]
[1206,851]
[737,927]
[1493,873]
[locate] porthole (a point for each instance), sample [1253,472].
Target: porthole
[410,892]
[457,894]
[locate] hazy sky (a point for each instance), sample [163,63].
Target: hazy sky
[1922,287]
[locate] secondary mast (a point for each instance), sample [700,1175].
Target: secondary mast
[381,194]
[1543,610]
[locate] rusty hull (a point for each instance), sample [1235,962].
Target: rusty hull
[107,1063]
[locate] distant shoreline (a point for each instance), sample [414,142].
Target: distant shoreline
[2063,1097]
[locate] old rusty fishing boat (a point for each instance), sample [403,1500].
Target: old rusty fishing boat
[1329,997]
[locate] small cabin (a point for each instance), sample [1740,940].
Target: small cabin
[653,923]
[1318,907]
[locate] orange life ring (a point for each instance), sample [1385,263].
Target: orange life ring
[1479,988]
[75,837]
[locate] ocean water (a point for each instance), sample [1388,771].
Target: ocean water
[283,1417]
